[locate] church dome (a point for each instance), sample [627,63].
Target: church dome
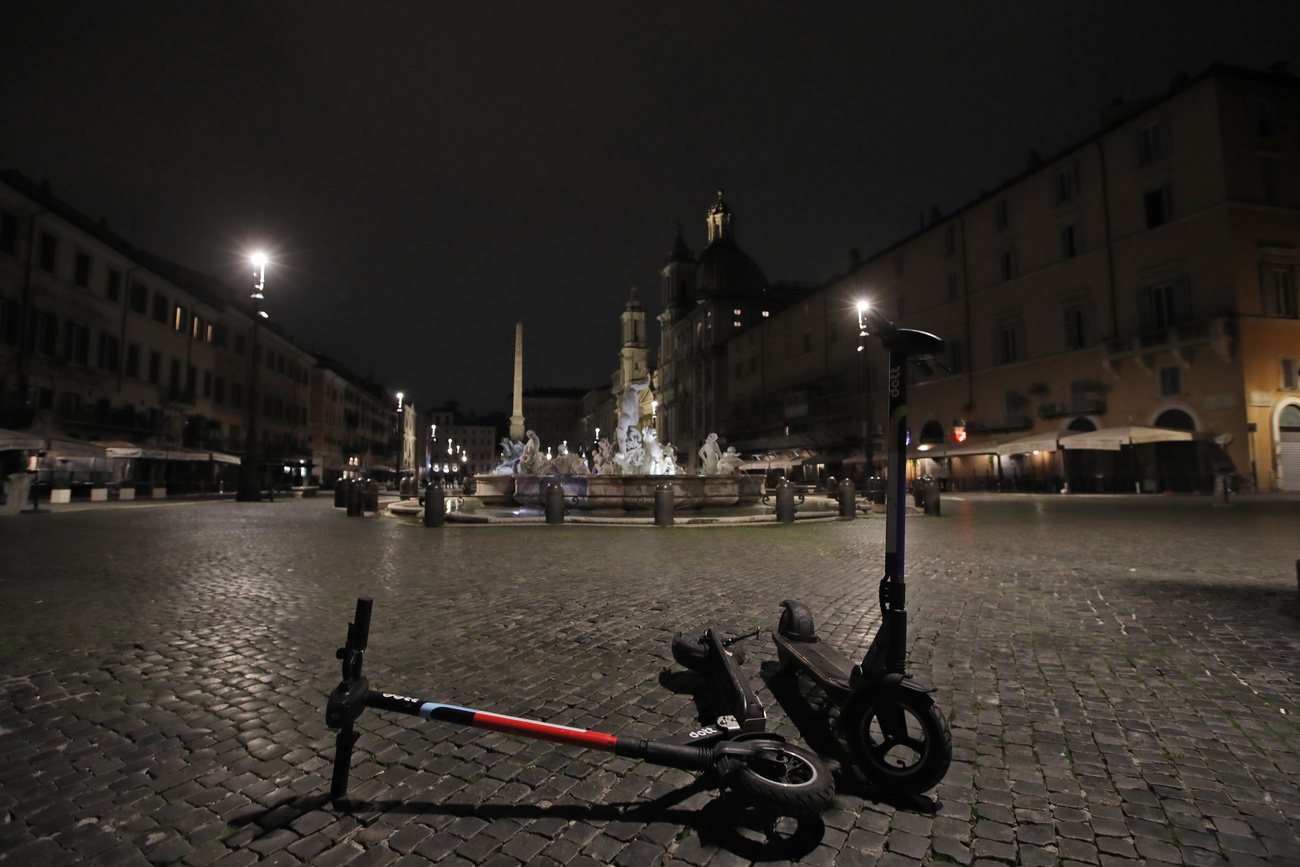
[726,271]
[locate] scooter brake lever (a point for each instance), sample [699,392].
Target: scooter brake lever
[727,642]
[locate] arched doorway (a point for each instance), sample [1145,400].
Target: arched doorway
[1288,442]
[1180,466]
[932,433]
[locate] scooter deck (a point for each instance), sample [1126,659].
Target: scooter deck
[823,661]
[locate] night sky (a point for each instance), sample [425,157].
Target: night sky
[424,174]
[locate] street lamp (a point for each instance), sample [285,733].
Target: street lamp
[401,440]
[868,453]
[250,482]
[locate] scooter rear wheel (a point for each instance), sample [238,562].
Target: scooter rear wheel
[899,742]
[787,778]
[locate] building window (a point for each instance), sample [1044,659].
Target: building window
[1265,111]
[1171,381]
[1279,291]
[1155,204]
[237,395]
[179,318]
[10,322]
[48,252]
[155,367]
[175,378]
[139,299]
[207,383]
[1069,241]
[1009,342]
[954,352]
[42,329]
[113,286]
[1000,216]
[76,342]
[1064,185]
[1078,327]
[1290,374]
[81,269]
[108,352]
[1152,141]
[133,360]
[1007,265]
[1164,305]
[8,233]
[161,307]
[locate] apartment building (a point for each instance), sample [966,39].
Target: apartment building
[353,427]
[105,343]
[1138,287]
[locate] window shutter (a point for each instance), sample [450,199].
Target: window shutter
[1182,300]
[1144,309]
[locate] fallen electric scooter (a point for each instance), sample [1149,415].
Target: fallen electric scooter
[895,734]
[758,767]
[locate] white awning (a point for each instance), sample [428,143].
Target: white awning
[1044,442]
[129,451]
[13,439]
[953,450]
[1111,439]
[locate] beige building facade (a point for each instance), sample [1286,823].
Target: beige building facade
[1142,278]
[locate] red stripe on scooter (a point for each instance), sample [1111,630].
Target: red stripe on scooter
[544,731]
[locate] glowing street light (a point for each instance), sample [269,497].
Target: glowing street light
[250,481]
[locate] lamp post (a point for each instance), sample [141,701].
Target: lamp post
[863,371]
[401,440]
[250,481]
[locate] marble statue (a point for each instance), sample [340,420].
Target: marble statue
[602,460]
[709,456]
[670,467]
[629,411]
[729,463]
[654,462]
[631,457]
[510,453]
[565,463]
[531,461]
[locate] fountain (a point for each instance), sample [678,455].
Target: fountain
[623,475]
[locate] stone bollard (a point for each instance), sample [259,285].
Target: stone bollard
[664,504]
[785,502]
[555,503]
[435,506]
[354,498]
[341,494]
[848,499]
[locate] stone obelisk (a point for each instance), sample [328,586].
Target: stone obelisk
[517,413]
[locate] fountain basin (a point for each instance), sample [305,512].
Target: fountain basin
[629,493]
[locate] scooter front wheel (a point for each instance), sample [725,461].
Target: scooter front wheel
[899,740]
[790,779]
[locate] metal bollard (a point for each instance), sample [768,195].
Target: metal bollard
[932,497]
[848,499]
[340,494]
[372,497]
[785,502]
[354,499]
[555,503]
[664,504]
[435,506]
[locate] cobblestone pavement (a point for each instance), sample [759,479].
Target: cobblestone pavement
[1121,676]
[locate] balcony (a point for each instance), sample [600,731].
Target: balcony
[1003,424]
[1213,332]
[1091,406]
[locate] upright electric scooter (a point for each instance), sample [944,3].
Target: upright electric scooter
[758,767]
[896,735]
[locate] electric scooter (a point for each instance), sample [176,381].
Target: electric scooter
[895,734]
[761,768]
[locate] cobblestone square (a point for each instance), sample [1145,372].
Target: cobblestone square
[1121,676]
